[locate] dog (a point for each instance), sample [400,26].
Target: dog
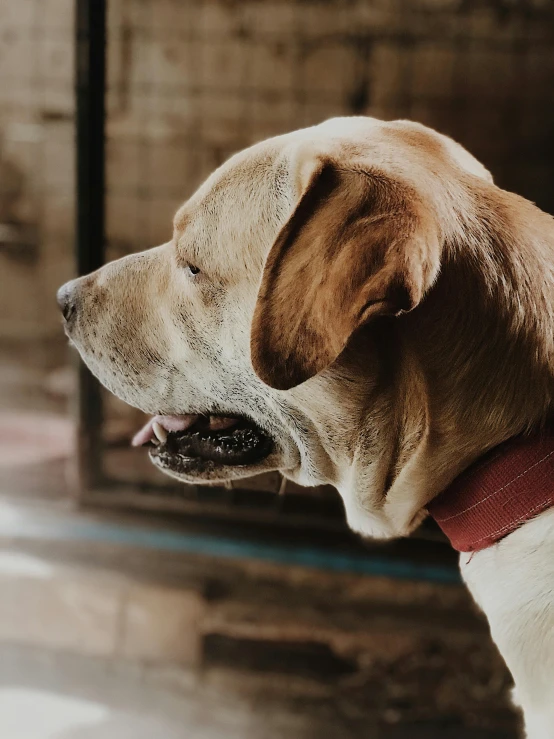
[354,304]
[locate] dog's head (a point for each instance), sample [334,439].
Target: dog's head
[262,336]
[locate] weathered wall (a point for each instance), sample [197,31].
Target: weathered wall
[192,81]
[36,162]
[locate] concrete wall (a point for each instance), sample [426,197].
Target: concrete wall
[192,81]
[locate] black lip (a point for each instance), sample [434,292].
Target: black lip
[241,445]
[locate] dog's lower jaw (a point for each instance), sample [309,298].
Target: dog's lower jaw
[377,510]
[384,522]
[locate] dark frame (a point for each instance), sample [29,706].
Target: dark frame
[90,75]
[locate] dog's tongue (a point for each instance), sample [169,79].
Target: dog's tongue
[159,426]
[169,423]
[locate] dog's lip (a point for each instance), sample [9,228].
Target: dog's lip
[202,448]
[159,426]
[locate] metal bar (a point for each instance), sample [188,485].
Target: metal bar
[90,74]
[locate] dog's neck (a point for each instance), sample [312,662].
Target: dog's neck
[474,366]
[494,304]
[470,367]
[484,337]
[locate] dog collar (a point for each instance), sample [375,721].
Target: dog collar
[509,485]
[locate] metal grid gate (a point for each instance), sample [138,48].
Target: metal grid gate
[189,82]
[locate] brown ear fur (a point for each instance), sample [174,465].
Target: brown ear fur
[357,245]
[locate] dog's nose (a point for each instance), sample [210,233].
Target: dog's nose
[67,299]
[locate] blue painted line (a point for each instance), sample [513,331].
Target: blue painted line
[229,548]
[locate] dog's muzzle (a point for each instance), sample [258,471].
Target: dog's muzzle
[68,300]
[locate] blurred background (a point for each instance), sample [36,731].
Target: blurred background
[132,607]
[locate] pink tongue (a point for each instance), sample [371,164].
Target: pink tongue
[169,423]
[179,423]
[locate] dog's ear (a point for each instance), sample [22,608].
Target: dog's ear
[357,245]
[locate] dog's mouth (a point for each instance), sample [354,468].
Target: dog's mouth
[188,443]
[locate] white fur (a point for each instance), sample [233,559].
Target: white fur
[513,583]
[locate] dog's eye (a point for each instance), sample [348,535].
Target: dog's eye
[192,269]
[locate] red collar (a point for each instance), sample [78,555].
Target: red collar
[509,485]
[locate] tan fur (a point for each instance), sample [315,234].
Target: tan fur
[398,305]
[359,244]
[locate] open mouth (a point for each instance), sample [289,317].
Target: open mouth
[188,443]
